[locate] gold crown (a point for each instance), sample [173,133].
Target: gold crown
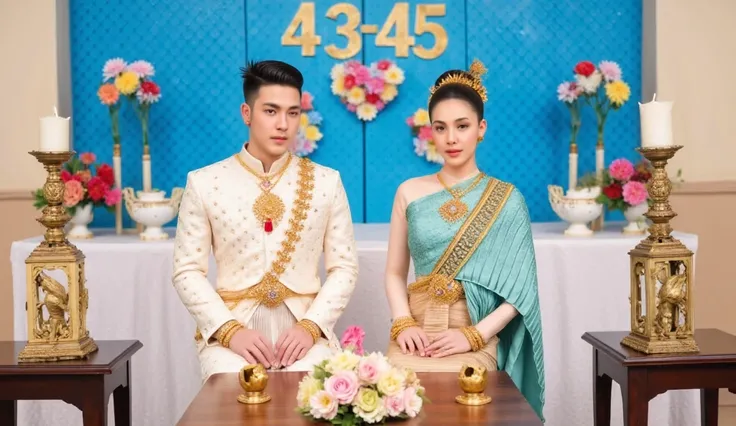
[476,71]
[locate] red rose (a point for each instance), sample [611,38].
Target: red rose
[584,68]
[106,173]
[372,98]
[349,82]
[66,176]
[613,191]
[96,188]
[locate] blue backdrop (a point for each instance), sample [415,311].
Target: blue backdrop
[198,46]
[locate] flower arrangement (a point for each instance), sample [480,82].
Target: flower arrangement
[602,88]
[366,90]
[309,133]
[83,187]
[421,129]
[569,93]
[353,389]
[624,184]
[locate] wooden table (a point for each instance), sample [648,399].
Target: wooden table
[642,376]
[86,384]
[216,404]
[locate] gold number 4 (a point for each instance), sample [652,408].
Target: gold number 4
[398,20]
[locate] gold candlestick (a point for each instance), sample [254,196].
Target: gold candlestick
[57,314]
[661,272]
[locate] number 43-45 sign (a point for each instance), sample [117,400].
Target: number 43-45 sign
[398,19]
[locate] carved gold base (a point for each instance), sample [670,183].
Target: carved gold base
[254,398]
[473,399]
[57,351]
[669,346]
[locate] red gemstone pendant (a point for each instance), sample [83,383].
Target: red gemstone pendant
[268,226]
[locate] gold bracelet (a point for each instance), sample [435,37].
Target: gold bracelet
[474,338]
[226,340]
[312,328]
[400,324]
[224,330]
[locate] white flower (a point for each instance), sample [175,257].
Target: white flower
[391,382]
[324,406]
[367,112]
[342,361]
[412,402]
[338,87]
[590,84]
[308,387]
[337,71]
[394,75]
[356,95]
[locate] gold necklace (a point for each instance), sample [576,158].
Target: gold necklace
[455,209]
[268,208]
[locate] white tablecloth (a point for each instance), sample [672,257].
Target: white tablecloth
[583,283]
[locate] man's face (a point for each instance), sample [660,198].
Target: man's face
[273,118]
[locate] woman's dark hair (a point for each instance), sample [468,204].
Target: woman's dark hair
[264,73]
[456,91]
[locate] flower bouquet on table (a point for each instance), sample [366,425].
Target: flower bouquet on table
[352,388]
[624,188]
[421,129]
[87,184]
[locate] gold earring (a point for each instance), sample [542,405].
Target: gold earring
[480,139]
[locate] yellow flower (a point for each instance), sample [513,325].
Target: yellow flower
[433,155]
[345,360]
[307,388]
[391,382]
[338,86]
[127,82]
[367,400]
[367,112]
[394,75]
[421,117]
[617,92]
[356,96]
[389,93]
[312,133]
[303,121]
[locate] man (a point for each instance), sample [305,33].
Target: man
[267,215]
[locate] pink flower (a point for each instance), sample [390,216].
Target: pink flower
[368,370]
[148,92]
[384,64]
[425,133]
[343,386]
[352,67]
[362,75]
[621,169]
[352,108]
[73,193]
[307,101]
[410,121]
[353,336]
[394,404]
[113,196]
[374,85]
[412,402]
[635,193]
[323,405]
[611,71]
[568,91]
[142,68]
[112,68]
[87,158]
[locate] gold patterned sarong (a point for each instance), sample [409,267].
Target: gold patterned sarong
[437,301]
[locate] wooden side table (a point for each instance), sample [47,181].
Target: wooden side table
[86,384]
[642,376]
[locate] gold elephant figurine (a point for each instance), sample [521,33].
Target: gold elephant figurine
[473,380]
[253,379]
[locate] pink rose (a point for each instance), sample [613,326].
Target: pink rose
[412,402]
[394,404]
[113,196]
[635,193]
[343,386]
[353,336]
[368,371]
[73,193]
[621,169]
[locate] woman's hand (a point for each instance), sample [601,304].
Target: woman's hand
[413,339]
[448,342]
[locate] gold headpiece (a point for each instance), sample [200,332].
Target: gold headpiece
[477,69]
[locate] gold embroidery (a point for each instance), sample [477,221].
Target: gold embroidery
[455,209]
[462,247]
[270,291]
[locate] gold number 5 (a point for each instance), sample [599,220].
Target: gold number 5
[421,26]
[355,42]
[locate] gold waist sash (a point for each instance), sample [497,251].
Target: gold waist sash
[441,289]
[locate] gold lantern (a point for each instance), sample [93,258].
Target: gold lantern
[57,314]
[661,273]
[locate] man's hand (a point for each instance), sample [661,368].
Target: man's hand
[253,347]
[292,345]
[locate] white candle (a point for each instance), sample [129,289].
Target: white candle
[656,123]
[54,133]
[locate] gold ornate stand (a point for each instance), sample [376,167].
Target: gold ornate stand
[661,273]
[57,314]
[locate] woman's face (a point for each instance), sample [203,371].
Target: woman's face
[456,131]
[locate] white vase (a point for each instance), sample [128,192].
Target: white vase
[578,212]
[82,217]
[637,221]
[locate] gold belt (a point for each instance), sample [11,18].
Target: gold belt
[441,289]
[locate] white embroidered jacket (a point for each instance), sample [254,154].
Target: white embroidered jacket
[216,213]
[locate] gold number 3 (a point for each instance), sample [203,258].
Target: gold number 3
[398,19]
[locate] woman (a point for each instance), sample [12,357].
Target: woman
[475,300]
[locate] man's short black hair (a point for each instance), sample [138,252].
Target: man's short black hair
[258,74]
